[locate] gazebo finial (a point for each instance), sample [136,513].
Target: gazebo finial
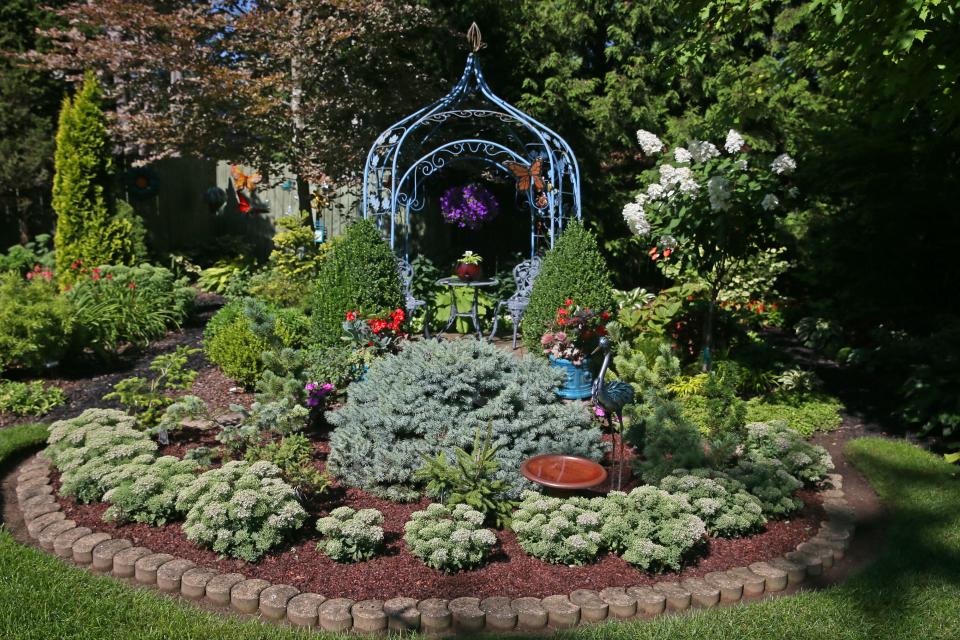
[474,38]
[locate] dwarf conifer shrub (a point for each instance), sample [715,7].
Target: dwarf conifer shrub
[351,535]
[649,527]
[35,322]
[769,481]
[435,396]
[358,273]
[241,510]
[87,448]
[449,538]
[145,489]
[807,462]
[723,503]
[575,269]
[557,530]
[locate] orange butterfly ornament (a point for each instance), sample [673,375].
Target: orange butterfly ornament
[242,181]
[527,174]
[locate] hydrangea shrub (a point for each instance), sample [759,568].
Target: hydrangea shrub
[769,482]
[88,447]
[807,462]
[562,531]
[724,504]
[241,510]
[351,535]
[435,396]
[449,538]
[146,488]
[649,527]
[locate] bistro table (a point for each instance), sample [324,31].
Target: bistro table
[454,282]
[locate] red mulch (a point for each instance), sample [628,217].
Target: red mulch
[511,572]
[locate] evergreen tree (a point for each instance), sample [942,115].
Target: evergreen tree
[574,269]
[89,228]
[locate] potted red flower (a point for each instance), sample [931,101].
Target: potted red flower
[569,340]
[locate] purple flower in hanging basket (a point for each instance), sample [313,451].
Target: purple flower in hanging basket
[468,206]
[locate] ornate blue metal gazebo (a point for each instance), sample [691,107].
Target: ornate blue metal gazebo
[473,124]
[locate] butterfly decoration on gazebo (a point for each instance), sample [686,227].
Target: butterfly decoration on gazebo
[245,186]
[530,176]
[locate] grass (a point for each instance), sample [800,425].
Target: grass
[911,592]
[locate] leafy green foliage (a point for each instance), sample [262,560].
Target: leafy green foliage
[86,448]
[89,231]
[145,489]
[241,510]
[35,323]
[293,455]
[809,463]
[575,269]
[147,399]
[469,480]
[449,538]
[723,503]
[649,528]
[358,274]
[225,276]
[118,304]
[563,531]
[805,414]
[23,257]
[294,264]
[237,351]
[29,398]
[435,396]
[351,535]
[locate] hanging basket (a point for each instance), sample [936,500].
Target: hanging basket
[469,206]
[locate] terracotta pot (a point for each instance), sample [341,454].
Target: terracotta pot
[469,272]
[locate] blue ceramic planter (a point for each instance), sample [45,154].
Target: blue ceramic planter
[579,379]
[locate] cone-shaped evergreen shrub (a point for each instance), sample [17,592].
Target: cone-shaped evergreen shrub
[575,269]
[359,273]
[435,396]
[89,229]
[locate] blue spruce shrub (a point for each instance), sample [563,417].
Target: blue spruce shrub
[433,397]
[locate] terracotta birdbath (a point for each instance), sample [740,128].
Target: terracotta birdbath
[563,473]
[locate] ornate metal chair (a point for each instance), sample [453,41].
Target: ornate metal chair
[412,303]
[523,276]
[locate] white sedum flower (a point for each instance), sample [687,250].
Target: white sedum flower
[783,164]
[649,142]
[734,142]
[770,202]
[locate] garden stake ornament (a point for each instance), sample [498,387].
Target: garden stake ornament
[612,397]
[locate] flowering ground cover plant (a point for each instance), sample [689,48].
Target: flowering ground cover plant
[574,332]
[723,503]
[557,530]
[468,206]
[145,489]
[351,535]
[449,539]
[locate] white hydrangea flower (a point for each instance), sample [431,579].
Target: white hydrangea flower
[701,150]
[678,178]
[682,156]
[655,191]
[635,218]
[770,202]
[783,164]
[718,188]
[649,142]
[734,142]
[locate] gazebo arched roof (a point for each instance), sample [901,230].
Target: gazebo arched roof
[470,123]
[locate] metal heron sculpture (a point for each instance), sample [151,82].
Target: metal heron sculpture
[612,397]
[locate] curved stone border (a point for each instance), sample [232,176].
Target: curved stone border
[47,525]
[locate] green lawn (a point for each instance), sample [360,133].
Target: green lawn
[913,591]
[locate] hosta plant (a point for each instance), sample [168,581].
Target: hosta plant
[563,531]
[86,448]
[351,535]
[723,503]
[240,510]
[807,462]
[649,527]
[145,489]
[449,539]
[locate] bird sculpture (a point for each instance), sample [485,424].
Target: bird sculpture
[612,397]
